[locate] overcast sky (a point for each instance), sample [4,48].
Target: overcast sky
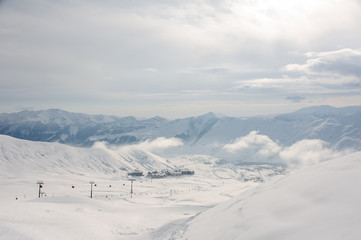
[179,58]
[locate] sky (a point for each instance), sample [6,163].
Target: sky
[179,58]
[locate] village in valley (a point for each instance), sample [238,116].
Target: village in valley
[177,172]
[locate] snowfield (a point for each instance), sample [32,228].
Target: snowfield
[320,202]
[220,201]
[66,211]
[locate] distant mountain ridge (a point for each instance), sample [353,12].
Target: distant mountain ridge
[341,127]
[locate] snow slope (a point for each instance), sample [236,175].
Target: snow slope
[22,156]
[320,202]
[66,211]
[221,201]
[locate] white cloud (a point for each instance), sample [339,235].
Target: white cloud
[340,68]
[255,147]
[284,83]
[334,72]
[340,62]
[159,144]
[155,146]
[307,152]
[100,145]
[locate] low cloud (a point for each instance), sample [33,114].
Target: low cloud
[255,147]
[155,146]
[100,145]
[159,144]
[307,152]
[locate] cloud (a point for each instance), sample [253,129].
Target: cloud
[323,73]
[151,70]
[344,61]
[100,145]
[307,152]
[295,98]
[341,68]
[255,147]
[69,50]
[159,144]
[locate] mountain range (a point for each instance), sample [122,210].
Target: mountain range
[340,127]
[273,202]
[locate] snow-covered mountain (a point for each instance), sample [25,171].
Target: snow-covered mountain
[341,127]
[268,202]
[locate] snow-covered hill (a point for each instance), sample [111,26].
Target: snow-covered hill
[22,156]
[121,207]
[321,202]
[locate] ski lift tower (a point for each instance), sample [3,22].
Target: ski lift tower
[40,183]
[91,189]
[131,187]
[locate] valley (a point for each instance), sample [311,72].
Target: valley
[122,206]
